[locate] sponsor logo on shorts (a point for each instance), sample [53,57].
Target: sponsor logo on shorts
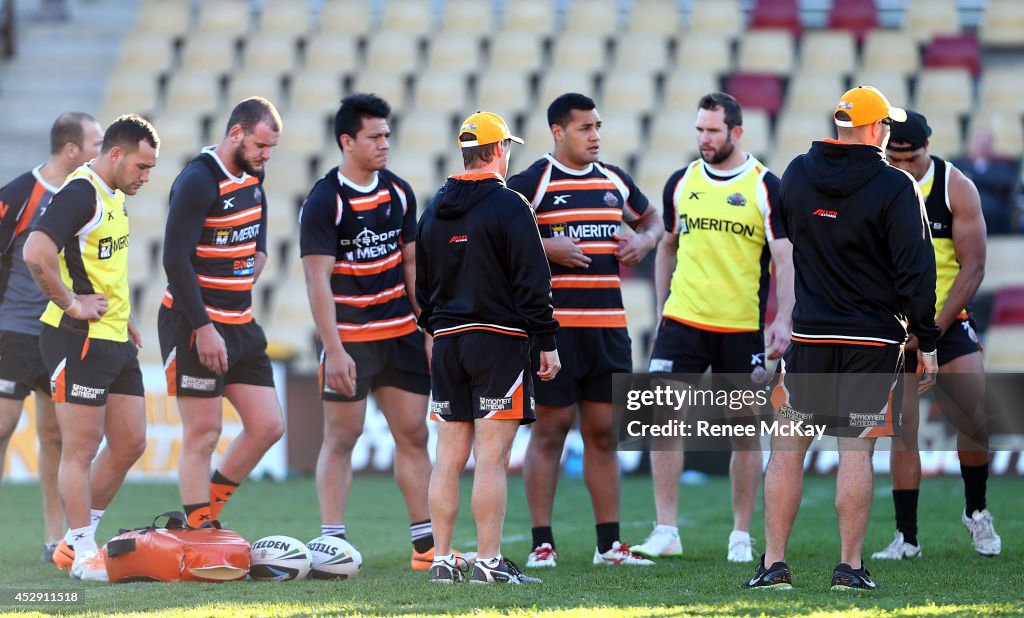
[440,407]
[793,414]
[660,365]
[858,419]
[8,386]
[495,404]
[198,384]
[86,392]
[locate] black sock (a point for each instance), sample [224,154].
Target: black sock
[607,534]
[541,535]
[975,480]
[905,501]
[220,479]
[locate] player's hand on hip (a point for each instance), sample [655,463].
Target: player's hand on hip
[566,252]
[340,372]
[549,365]
[213,354]
[928,364]
[90,307]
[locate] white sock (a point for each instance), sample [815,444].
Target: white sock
[666,528]
[95,515]
[449,559]
[491,562]
[333,530]
[738,534]
[83,539]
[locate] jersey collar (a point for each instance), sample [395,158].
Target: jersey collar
[211,150]
[39,178]
[568,170]
[345,181]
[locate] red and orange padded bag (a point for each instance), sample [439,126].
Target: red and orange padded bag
[176,552]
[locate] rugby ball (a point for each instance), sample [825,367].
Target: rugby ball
[279,558]
[333,558]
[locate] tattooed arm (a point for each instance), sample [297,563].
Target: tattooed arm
[40,255]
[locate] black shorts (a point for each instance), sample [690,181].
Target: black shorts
[21,366]
[589,357]
[680,348]
[856,391]
[482,375]
[400,362]
[960,339]
[246,345]
[84,371]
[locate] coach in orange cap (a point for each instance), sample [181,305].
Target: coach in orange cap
[864,280]
[484,289]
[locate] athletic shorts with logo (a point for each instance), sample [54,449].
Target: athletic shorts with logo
[477,375]
[681,348]
[856,391]
[84,371]
[21,366]
[400,362]
[246,346]
[960,339]
[589,357]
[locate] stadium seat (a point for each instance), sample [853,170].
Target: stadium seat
[195,91]
[831,51]
[505,93]
[314,90]
[393,53]
[1001,88]
[718,17]
[164,17]
[424,132]
[672,138]
[346,17]
[289,173]
[598,18]
[282,215]
[537,135]
[623,89]
[657,166]
[890,50]
[149,51]
[515,51]
[254,82]
[559,81]
[440,91]
[272,53]
[1004,348]
[456,52]
[756,132]
[1002,24]
[284,17]
[944,89]
[783,14]
[954,51]
[1002,263]
[536,16]
[303,135]
[766,51]
[421,172]
[181,134]
[794,133]
[1008,307]
[683,90]
[128,91]
[226,18]
[1006,127]
[857,16]
[756,91]
[814,91]
[642,52]
[621,136]
[946,140]
[703,52]
[209,51]
[411,17]
[579,51]
[641,315]
[925,19]
[654,17]
[392,88]
[892,84]
[469,16]
[331,52]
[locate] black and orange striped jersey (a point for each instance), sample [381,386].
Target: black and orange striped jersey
[22,202]
[88,221]
[724,221]
[215,227]
[364,229]
[588,205]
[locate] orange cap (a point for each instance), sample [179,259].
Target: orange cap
[865,105]
[488,128]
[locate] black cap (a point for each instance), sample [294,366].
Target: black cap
[915,131]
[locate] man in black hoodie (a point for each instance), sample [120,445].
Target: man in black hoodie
[484,289]
[864,275]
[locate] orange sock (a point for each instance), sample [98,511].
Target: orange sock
[221,489]
[198,514]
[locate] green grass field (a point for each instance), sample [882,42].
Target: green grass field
[950,579]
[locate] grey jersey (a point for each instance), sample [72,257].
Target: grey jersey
[22,201]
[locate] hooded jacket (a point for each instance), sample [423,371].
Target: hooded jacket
[862,251]
[480,264]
